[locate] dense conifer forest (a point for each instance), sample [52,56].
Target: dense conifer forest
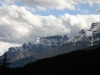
[81,62]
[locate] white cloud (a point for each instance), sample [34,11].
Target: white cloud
[19,25]
[30,9]
[98,10]
[41,8]
[9,1]
[4,46]
[52,4]
[77,22]
[59,5]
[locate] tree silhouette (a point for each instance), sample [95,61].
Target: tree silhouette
[0,64]
[4,63]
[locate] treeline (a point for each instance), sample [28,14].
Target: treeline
[4,63]
[81,62]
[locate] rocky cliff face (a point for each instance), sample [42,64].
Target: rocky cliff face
[81,40]
[95,28]
[84,38]
[50,42]
[40,44]
[21,48]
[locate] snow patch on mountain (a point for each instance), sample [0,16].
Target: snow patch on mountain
[91,36]
[57,39]
[37,41]
[89,33]
[42,43]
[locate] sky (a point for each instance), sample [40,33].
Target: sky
[22,21]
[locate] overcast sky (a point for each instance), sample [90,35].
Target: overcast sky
[22,21]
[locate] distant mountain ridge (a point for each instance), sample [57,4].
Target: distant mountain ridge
[53,45]
[81,40]
[45,41]
[81,62]
[40,44]
[84,39]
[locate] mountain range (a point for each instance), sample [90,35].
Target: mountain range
[79,62]
[41,44]
[54,45]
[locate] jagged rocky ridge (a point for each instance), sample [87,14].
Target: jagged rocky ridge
[81,40]
[84,38]
[50,46]
[40,45]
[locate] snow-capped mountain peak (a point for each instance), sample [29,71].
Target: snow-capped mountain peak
[81,40]
[90,37]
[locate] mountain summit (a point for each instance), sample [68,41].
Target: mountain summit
[53,45]
[90,37]
[41,44]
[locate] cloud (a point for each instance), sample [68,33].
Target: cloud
[51,4]
[58,5]
[9,1]
[78,22]
[41,8]
[98,10]
[18,25]
[4,46]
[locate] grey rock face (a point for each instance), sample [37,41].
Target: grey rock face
[50,46]
[50,42]
[41,44]
[85,39]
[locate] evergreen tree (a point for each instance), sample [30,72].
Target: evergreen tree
[0,64]
[5,64]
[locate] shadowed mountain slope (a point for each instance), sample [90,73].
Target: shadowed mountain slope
[81,62]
